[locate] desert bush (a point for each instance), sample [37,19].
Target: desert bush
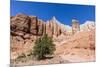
[43,46]
[21,56]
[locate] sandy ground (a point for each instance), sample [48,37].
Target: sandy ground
[79,55]
[78,48]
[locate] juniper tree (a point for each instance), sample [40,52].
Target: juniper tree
[43,46]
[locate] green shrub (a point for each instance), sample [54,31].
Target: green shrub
[21,56]
[43,46]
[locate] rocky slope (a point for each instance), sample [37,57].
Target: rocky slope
[69,47]
[79,48]
[26,29]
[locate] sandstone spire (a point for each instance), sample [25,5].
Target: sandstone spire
[75,26]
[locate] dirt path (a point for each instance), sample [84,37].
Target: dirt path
[77,55]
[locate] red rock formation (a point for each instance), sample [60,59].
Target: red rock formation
[40,27]
[20,23]
[25,29]
[53,28]
[75,26]
[49,29]
[34,25]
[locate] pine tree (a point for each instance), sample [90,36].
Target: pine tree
[43,46]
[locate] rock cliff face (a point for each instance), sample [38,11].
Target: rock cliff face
[26,29]
[53,28]
[20,22]
[31,24]
[87,26]
[75,26]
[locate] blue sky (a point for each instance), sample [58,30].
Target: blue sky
[63,12]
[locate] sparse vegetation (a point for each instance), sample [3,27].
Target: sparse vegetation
[26,49]
[21,56]
[43,46]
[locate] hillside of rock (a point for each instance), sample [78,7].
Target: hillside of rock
[74,43]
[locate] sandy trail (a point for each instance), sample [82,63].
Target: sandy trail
[79,55]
